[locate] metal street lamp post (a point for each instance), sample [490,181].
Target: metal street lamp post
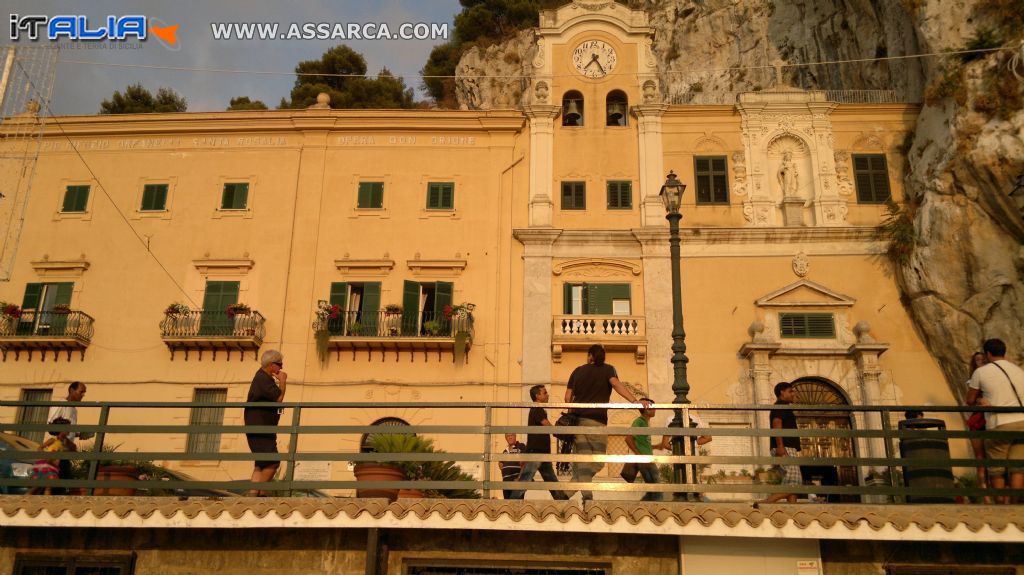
[672,195]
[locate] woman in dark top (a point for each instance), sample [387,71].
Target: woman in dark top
[267,386]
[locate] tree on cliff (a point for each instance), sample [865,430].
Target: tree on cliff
[244,103]
[341,74]
[138,100]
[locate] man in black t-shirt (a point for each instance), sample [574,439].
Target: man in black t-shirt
[268,386]
[538,443]
[593,382]
[782,418]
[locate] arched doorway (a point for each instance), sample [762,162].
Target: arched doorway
[364,442]
[818,391]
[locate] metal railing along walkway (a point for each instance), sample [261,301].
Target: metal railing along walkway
[873,448]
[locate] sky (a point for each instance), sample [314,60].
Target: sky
[79,88]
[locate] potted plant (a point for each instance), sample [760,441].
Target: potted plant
[392,319]
[390,443]
[434,327]
[11,310]
[414,470]
[176,309]
[61,308]
[117,470]
[237,309]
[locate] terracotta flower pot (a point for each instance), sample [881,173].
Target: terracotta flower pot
[378,472]
[410,494]
[116,473]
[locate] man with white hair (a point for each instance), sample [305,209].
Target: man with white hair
[268,385]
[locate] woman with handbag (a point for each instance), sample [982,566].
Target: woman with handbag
[976,422]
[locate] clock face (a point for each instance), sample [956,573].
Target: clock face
[594,58]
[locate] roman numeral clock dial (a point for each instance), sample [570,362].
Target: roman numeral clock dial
[594,58]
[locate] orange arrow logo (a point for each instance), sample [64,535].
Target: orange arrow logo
[166,33]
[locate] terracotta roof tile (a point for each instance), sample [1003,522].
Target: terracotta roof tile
[959,522]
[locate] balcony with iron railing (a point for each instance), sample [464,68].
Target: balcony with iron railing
[383,331]
[214,331]
[892,461]
[62,330]
[614,332]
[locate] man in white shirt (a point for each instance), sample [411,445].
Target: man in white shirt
[76,391]
[1000,383]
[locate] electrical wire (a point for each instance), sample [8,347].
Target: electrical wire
[522,76]
[99,184]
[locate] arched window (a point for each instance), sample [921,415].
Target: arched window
[364,443]
[616,108]
[572,109]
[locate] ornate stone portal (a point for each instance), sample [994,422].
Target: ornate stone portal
[789,177]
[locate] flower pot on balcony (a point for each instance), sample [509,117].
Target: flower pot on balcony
[378,472]
[410,494]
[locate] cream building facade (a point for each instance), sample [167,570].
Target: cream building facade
[546,218]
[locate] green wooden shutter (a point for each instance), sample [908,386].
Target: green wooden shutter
[235,197]
[339,297]
[443,297]
[567,299]
[218,296]
[154,197]
[600,297]
[34,414]
[33,295]
[370,195]
[206,442]
[76,198]
[410,308]
[64,291]
[370,311]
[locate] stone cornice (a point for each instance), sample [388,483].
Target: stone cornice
[61,267]
[364,267]
[436,267]
[434,121]
[774,235]
[541,111]
[223,265]
[537,236]
[649,110]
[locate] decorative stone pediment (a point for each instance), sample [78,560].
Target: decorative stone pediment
[596,268]
[805,293]
[379,267]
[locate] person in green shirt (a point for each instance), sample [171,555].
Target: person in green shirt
[641,445]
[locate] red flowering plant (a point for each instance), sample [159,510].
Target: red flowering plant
[237,309]
[10,310]
[464,309]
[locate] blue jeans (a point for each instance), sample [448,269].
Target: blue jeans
[649,471]
[547,471]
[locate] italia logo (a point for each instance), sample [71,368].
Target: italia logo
[81,28]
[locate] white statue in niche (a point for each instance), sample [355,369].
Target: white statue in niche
[788,176]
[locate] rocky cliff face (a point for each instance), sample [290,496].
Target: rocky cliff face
[963,280]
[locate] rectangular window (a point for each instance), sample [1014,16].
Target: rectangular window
[712,178]
[206,442]
[872,177]
[76,198]
[235,197]
[440,196]
[33,564]
[574,195]
[38,316]
[816,325]
[620,195]
[35,413]
[371,195]
[154,198]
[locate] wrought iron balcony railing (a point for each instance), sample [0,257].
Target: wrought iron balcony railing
[56,331]
[213,330]
[394,324]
